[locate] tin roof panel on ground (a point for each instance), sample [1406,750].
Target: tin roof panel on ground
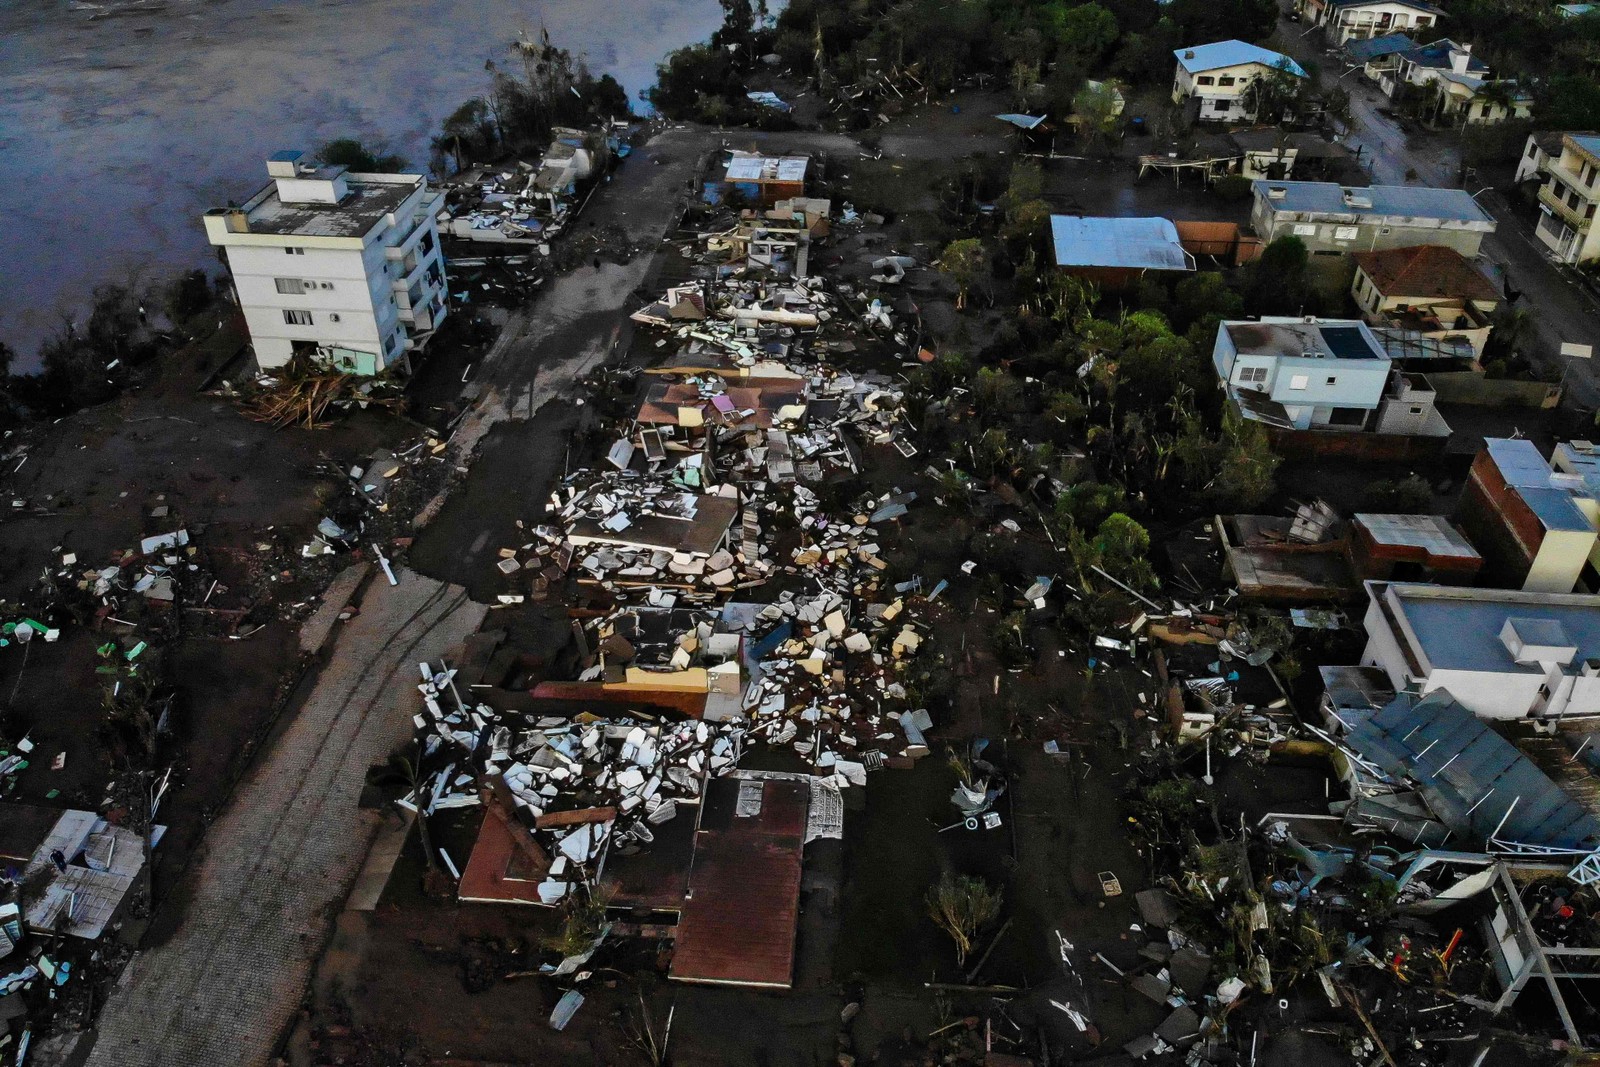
[1134,244]
[738,926]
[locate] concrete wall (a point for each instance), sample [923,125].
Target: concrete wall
[1559,561]
[1362,447]
[1471,387]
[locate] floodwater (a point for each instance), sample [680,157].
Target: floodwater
[121,121]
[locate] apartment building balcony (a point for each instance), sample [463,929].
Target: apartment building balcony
[1574,217]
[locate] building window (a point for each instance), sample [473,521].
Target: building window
[1299,381]
[1250,375]
[292,317]
[290,250]
[426,244]
[1345,233]
[1303,229]
[1226,79]
[1221,106]
[1416,411]
[1205,79]
[1533,149]
[290,286]
[1332,380]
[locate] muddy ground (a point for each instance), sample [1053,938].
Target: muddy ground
[91,487]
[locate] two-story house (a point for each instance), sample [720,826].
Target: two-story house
[342,268]
[1464,90]
[1335,219]
[1569,190]
[1344,20]
[1429,290]
[1218,76]
[1321,374]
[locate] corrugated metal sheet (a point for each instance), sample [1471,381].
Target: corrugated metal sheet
[738,925]
[1473,779]
[1204,57]
[1128,244]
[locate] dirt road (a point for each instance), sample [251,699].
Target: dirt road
[225,986]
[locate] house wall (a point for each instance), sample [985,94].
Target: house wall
[1359,447]
[1374,20]
[1330,383]
[1559,561]
[1364,233]
[1533,162]
[1219,100]
[1499,523]
[1383,649]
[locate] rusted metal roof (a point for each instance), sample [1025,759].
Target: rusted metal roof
[738,925]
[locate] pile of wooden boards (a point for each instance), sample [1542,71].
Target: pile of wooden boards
[303,396]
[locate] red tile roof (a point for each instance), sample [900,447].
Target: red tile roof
[1426,271]
[738,925]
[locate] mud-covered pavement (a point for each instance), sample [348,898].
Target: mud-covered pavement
[122,120]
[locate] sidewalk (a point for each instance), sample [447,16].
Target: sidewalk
[225,987]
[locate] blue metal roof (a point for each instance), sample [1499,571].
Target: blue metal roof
[1135,244]
[1022,122]
[1368,49]
[1415,5]
[1589,142]
[1436,56]
[1470,776]
[1403,201]
[1204,57]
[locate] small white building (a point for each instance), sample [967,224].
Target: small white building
[340,267]
[1345,20]
[1218,76]
[1503,654]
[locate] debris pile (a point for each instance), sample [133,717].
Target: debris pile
[304,395]
[580,788]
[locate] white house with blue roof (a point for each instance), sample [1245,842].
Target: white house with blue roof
[1219,75]
[1333,219]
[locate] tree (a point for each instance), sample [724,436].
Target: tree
[964,262]
[1276,282]
[1568,101]
[961,906]
[1201,294]
[1275,94]
[1083,33]
[349,152]
[1123,549]
[1098,108]
[469,132]
[1245,475]
[1027,223]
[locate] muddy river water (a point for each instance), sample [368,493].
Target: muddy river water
[122,120]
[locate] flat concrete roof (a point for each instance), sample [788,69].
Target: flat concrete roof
[355,216]
[1317,339]
[1459,628]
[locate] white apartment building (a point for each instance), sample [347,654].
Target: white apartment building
[1569,174]
[1218,77]
[343,268]
[1503,654]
